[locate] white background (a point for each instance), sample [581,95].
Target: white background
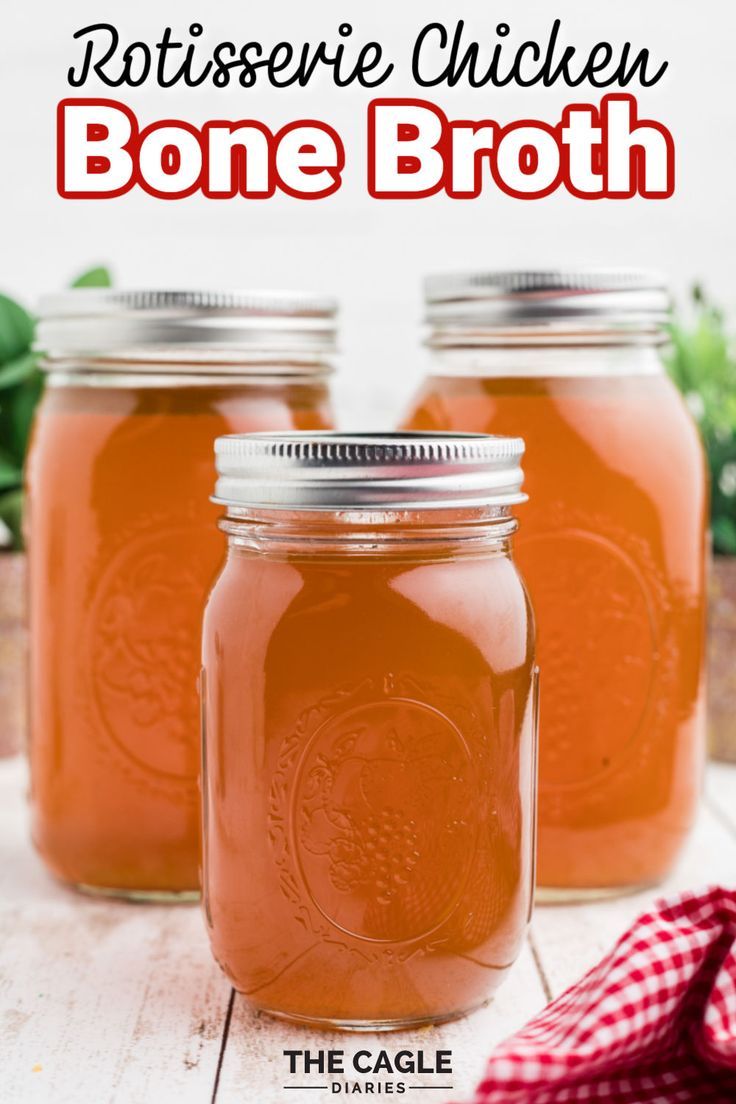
[371,253]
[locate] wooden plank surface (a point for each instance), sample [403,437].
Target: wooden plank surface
[254,1053]
[720,793]
[571,939]
[100,1001]
[110,1003]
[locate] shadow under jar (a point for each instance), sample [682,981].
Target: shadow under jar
[123,551]
[369,710]
[612,548]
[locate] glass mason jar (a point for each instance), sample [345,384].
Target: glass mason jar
[611,547]
[369,712]
[122,554]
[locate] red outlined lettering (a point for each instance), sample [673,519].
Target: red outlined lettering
[419,120]
[330,174]
[604,151]
[172,159]
[238,160]
[96,163]
[594,152]
[649,155]
[161,158]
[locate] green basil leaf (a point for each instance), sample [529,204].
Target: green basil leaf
[17,406]
[11,513]
[18,370]
[94,277]
[702,363]
[11,474]
[16,330]
[724,536]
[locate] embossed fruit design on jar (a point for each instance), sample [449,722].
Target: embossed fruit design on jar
[369,716]
[611,546]
[123,550]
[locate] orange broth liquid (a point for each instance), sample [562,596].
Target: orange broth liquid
[611,547]
[368,781]
[123,549]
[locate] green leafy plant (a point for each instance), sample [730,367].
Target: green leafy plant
[21,384]
[702,362]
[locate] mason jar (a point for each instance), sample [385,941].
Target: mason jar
[123,550]
[611,546]
[369,718]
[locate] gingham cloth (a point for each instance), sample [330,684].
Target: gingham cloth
[653,1023]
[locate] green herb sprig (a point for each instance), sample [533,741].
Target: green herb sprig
[702,362]
[21,385]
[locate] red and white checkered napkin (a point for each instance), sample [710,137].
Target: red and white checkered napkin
[653,1023]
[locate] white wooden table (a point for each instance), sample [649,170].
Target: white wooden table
[104,1002]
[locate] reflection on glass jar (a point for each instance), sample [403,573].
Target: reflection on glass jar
[368,675]
[123,551]
[611,546]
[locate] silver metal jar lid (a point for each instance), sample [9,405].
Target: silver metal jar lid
[614,298]
[397,471]
[104,324]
